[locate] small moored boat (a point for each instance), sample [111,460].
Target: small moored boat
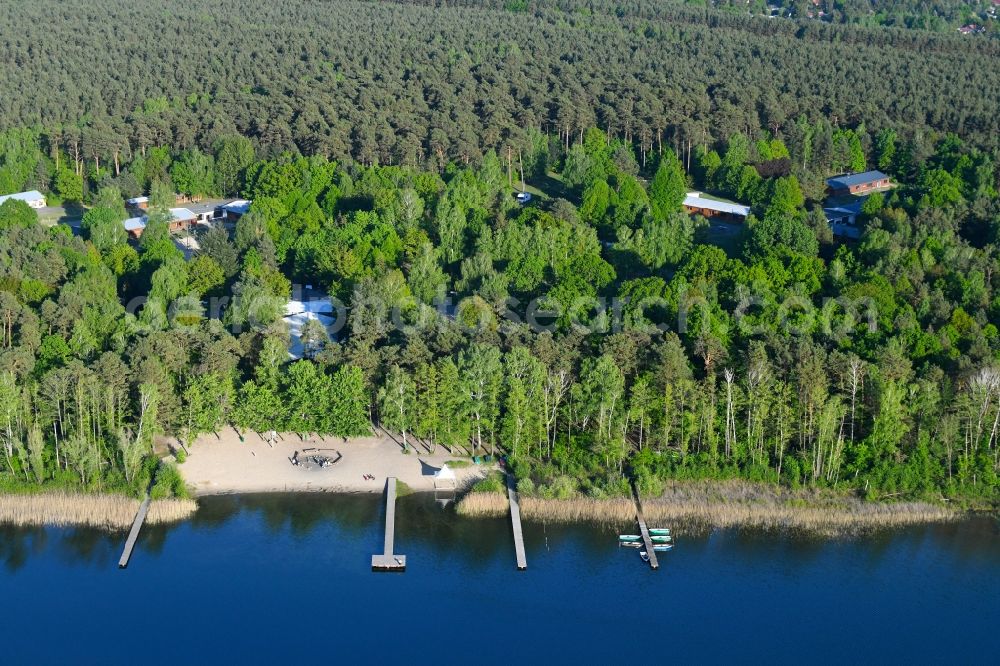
[662,547]
[659,531]
[644,555]
[661,539]
[631,544]
[629,537]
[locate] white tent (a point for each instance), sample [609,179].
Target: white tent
[444,477]
[445,473]
[445,486]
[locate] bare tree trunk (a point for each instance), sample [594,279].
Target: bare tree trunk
[857,370]
[76,158]
[510,177]
[520,165]
[730,416]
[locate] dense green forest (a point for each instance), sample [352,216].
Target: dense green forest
[597,333]
[413,82]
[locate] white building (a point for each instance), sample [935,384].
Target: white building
[298,312]
[135,226]
[138,203]
[234,210]
[204,212]
[180,219]
[696,204]
[33,198]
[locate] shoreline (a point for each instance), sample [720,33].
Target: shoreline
[99,510]
[723,505]
[220,492]
[826,515]
[226,465]
[319,490]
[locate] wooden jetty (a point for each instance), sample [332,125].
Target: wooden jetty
[644,531]
[133,534]
[515,520]
[388,560]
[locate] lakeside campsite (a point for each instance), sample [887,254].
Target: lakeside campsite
[569,321]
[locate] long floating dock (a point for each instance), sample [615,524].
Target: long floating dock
[133,534]
[515,520]
[646,540]
[389,561]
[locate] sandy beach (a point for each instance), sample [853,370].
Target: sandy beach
[223,464]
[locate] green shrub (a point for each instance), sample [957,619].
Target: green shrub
[563,487]
[649,485]
[491,484]
[168,483]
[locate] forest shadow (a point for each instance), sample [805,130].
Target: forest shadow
[428,470]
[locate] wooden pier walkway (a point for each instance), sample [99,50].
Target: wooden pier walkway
[133,534]
[644,531]
[515,520]
[389,561]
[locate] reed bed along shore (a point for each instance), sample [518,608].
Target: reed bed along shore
[723,504]
[111,512]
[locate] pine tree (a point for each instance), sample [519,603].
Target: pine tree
[668,187]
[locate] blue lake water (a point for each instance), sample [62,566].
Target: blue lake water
[272,579]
